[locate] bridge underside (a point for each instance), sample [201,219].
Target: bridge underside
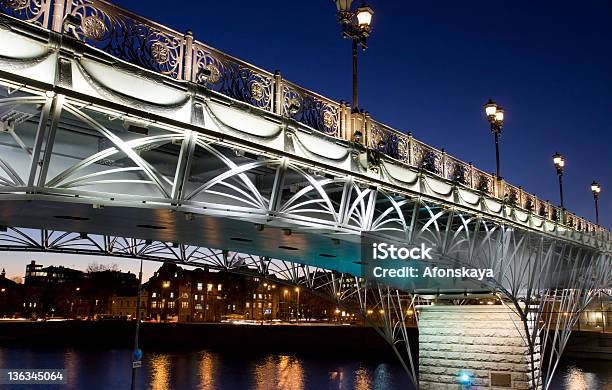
[173,227]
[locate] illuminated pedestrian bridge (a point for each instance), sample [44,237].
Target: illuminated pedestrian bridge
[122,137]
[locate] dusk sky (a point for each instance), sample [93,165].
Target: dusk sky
[430,67]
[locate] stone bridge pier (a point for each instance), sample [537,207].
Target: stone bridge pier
[473,347]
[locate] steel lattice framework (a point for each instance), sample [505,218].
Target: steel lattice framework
[110,159]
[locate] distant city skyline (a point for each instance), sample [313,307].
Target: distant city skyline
[15,262]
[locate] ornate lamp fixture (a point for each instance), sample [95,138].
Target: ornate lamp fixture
[596,189]
[495,116]
[356,26]
[559,162]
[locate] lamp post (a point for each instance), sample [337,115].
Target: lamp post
[297,290]
[137,354]
[356,26]
[596,189]
[559,162]
[495,116]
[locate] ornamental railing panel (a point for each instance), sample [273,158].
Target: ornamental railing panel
[232,77]
[36,12]
[391,142]
[311,109]
[127,36]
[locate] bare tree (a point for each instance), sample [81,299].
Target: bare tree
[97,267]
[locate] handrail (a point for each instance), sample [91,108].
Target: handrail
[158,48]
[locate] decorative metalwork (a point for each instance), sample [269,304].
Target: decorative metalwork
[311,110]
[232,77]
[32,11]
[432,162]
[17,4]
[128,37]
[93,27]
[484,183]
[328,119]
[160,52]
[511,195]
[257,91]
[389,142]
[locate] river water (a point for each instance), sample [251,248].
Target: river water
[237,370]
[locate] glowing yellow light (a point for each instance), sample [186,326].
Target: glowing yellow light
[364,16]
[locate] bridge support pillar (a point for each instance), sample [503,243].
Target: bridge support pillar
[473,347]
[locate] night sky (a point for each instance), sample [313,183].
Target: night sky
[430,67]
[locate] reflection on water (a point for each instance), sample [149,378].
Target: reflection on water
[160,371]
[279,372]
[207,369]
[362,379]
[585,375]
[228,370]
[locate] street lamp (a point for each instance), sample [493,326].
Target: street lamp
[297,290]
[596,189]
[495,116]
[357,26]
[559,163]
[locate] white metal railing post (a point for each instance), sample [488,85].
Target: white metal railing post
[187,66]
[278,93]
[410,150]
[368,130]
[58,15]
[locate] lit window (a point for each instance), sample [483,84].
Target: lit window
[195,297]
[254,296]
[185,295]
[260,296]
[166,284]
[200,286]
[209,287]
[219,287]
[171,295]
[259,305]
[170,305]
[248,304]
[185,305]
[153,304]
[198,306]
[153,295]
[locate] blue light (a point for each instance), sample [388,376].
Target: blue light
[465,378]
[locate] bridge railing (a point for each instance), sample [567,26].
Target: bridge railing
[155,47]
[37,12]
[125,35]
[311,109]
[230,76]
